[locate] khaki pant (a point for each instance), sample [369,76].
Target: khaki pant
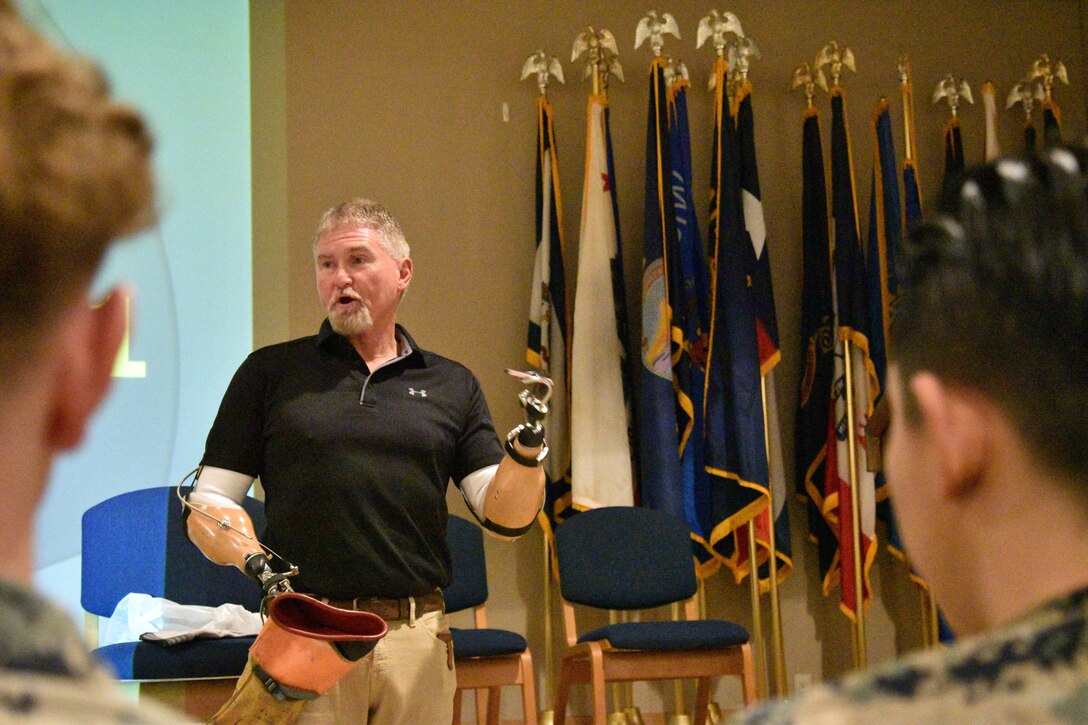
[407,680]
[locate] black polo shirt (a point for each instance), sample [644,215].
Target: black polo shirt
[354,464]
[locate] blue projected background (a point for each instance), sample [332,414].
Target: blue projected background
[185,66]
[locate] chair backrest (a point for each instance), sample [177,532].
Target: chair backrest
[136,542]
[469,585]
[624,557]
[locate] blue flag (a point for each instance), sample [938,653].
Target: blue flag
[954,162]
[885,235]
[1052,123]
[735,449]
[692,315]
[758,261]
[815,415]
[662,416]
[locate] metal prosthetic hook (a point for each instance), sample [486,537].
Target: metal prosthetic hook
[534,401]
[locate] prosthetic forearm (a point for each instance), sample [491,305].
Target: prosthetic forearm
[305,645]
[516,493]
[223,531]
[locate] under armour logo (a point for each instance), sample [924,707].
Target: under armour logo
[421,393]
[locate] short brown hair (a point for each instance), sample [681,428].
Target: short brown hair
[75,174]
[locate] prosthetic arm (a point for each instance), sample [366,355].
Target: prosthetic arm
[305,646]
[506,498]
[224,533]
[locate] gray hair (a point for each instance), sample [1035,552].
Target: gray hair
[367,214]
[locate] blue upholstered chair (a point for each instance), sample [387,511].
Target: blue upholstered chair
[627,558]
[487,659]
[136,542]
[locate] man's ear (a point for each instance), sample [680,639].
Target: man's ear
[405,270]
[957,420]
[89,351]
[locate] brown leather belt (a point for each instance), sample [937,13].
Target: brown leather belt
[390,609]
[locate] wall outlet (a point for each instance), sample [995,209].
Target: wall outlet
[801,682]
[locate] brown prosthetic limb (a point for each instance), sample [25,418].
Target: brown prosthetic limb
[304,649]
[516,494]
[226,537]
[305,646]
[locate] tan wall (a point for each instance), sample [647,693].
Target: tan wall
[403,102]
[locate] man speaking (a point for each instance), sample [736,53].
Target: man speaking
[355,433]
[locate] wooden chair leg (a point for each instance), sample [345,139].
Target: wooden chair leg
[481,706]
[494,706]
[596,668]
[562,690]
[702,700]
[748,675]
[528,689]
[457,707]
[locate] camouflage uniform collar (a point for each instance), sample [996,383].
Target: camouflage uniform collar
[39,637]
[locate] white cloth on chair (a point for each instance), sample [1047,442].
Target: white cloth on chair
[164,622]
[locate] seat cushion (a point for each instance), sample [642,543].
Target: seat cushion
[700,634]
[486,642]
[224,657]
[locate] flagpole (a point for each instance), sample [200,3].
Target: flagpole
[781,687]
[926,602]
[839,57]
[907,92]
[542,67]
[716,26]
[741,50]
[860,657]
[757,613]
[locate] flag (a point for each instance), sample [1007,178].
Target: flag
[619,297]
[851,306]
[665,411]
[1052,123]
[691,314]
[912,195]
[953,153]
[886,228]
[601,470]
[548,322]
[991,149]
[735,448]
[758,265]
[912,214]
[814,402]
[1029,136]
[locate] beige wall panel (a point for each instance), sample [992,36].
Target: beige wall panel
[403,102]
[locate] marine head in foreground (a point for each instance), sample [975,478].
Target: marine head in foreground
[75,174]
[986,455]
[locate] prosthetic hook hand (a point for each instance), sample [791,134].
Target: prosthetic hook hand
[226,537]
[515,495]
[530,434]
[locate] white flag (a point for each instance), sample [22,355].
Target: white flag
[601,472]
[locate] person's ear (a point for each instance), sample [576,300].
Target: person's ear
[93,335]
[405,269]
[957,421]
